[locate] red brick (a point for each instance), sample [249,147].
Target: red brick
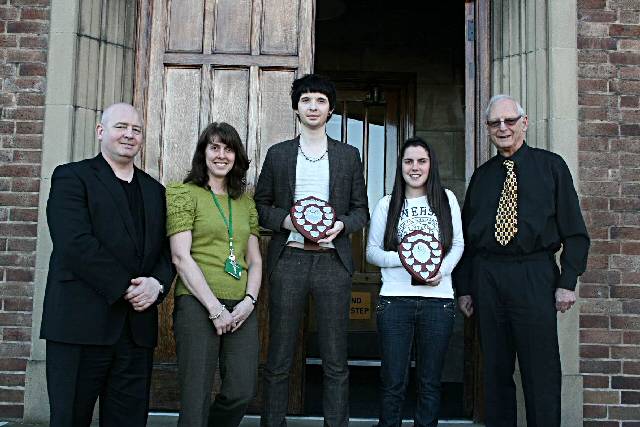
[16,289]
[625,322]
[39,14]
[631,337]
[591,4]
[8,13]
[600,277]
[17,199]
[598,129]
[32,70]
[17,259]
[630,130]
[29,127]
[618,30]
[628,44]
[30,99]
[629,101]
[630,219]
[631,307]
[599,188]
[598,262]
[625,383]
[631,160]
[628,233]
[605,43]
[593,56]
[28,27]
[624,413]
[630,397]
[17,304]
[11,395]
[597,71]
[593,336]
[16,335]
[630,248]
[19,274]
[594,203]
[597,100]
[625,291]
[607,247]
[23,245]
[594,321]
[26,55]
[594,351]
[629,17]
[631,367]
[13,364]
[594,411]
[591,423]
[11,410]
[628,174]
[26,184]
[601,366]
[595,381]
[8,40]
[593,291]
[32,41]
[31,156]
[26,141]
[600,397]
[15,319]
[42,3]
[12,380]
[597,15]
[625,352]
[627,87]
[587,114]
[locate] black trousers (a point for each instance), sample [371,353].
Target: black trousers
[515,299]
[118,374]
[297,275]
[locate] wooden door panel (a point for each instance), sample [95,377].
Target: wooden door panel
[230,98]
[181,119]
[280,32]
[186,18]
[232,33]
[218,60]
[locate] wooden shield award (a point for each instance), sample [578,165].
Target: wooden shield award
[312,217]
[421,254]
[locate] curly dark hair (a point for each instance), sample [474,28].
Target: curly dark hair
[313,83]
[436,196]
[236,178]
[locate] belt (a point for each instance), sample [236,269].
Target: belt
[310,248]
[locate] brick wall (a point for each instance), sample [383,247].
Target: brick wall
[24,27]
[609,180]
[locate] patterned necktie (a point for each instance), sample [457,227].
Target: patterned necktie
[507,215]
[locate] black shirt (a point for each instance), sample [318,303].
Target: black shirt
[549,215]
[136,207]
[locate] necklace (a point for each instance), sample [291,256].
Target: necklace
[309,159]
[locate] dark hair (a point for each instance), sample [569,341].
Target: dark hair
[236,178]
[436,196]
[313,83]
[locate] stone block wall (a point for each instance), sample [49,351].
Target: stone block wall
[24,27]
[609,181]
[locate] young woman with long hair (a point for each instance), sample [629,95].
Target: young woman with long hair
[410,313]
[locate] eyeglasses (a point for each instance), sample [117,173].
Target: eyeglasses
[508,121]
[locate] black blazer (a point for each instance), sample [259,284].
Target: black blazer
[276,188]
[95,256]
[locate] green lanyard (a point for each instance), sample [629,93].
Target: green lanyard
[229,223]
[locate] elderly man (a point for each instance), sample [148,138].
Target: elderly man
[109,268]
[520,209]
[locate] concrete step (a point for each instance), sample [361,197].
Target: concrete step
[170,419]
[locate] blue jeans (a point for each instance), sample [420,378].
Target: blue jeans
[403,321]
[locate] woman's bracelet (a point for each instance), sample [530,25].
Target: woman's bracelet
[218,314]
[251,297]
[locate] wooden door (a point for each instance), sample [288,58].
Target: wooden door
[200,61]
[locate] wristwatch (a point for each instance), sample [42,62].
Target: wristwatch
[253,300]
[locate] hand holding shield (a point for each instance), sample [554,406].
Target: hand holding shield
[312,217]
[421,254]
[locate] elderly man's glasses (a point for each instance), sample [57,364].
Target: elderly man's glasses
[508,121]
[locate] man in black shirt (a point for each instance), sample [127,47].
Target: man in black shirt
[520,209]
[109,268]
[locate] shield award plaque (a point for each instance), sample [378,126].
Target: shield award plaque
[312,217]
[421,254]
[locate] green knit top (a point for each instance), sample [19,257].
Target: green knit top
[190,207]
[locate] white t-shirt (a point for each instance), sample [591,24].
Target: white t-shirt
[312,179]
[415,215]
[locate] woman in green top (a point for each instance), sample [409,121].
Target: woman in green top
[213,229]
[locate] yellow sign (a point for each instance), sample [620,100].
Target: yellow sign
[360,305]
